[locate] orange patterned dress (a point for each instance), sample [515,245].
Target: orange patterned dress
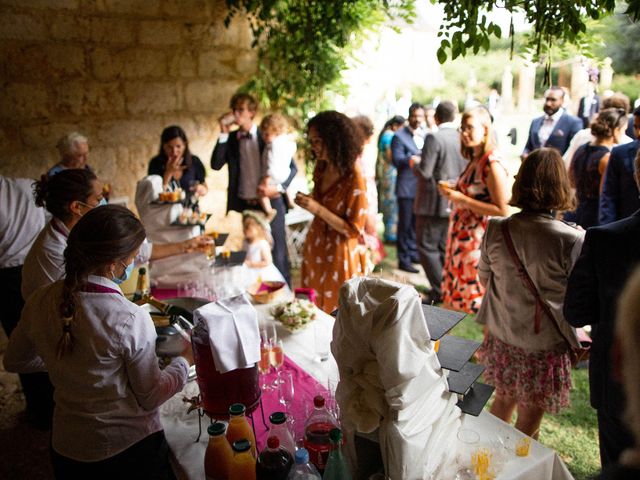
[330,258]
[461,288]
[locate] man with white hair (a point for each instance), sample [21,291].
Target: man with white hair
[74,151]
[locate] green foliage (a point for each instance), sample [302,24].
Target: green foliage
[627,84]
[468,28]
[303,45]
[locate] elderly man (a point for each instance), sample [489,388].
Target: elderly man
[609,255]
[74,151]
[555,128]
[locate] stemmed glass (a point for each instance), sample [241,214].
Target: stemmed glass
[286,393]
[264,365]
[277,359]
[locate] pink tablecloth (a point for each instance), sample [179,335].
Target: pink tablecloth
[306,387]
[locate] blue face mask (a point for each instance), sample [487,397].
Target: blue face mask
[102,202]
[125,275]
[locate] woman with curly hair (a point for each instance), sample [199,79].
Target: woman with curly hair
[331,253]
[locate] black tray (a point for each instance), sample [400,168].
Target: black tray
[236,258]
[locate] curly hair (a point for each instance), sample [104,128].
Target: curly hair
[341,137]
[56,193]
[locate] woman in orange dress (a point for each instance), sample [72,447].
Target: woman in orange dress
[480,192]
[332,253]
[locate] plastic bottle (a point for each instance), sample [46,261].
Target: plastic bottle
[303,470]
[274,462]
[218,456]
[239,427]
[337,468]
[243,464]
[279,428]
[316,433]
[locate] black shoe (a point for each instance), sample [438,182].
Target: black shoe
[408,268]
[431,298]
[415,260]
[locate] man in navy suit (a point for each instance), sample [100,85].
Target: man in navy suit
[609,255]
[555,128]
[619,197]
[406,148]
[241,151]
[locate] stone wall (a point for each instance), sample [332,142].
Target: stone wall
[118,71]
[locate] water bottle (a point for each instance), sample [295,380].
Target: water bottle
[303,470]
[337,468]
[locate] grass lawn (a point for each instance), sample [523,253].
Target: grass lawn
[574,432]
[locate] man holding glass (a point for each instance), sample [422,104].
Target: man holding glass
[441,161]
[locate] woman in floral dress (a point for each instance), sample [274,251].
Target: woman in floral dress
[332,251]
[480,192]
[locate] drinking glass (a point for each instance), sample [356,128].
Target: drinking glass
[277,357]
[264,365]
[286,394]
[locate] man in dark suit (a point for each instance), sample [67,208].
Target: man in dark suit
[589,105]
[619,197]
[555,128]
[441,160]
[609,255]
[241,151]
[406,148]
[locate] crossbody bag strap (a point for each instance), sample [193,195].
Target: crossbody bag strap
[526,279]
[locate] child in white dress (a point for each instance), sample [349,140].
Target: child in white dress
[276,157]
[257,243]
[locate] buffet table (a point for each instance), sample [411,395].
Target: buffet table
[301,348]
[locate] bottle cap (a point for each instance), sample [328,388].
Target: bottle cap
[273,442]
[278,418]
[237,409]
[142,271]
[241,445]
[217,428]
[318,401]
[302,456]
[335,435]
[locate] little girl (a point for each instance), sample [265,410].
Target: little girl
[257,243]
[276,157]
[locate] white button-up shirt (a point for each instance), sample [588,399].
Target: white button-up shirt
[20,220]
[45,261]
[108,389]
[548,124]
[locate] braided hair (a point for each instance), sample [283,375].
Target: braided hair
[103,235]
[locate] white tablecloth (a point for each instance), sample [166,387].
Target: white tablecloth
[188,456]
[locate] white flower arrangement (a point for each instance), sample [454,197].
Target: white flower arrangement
[294,315]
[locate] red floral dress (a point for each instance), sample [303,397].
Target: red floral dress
[461,288]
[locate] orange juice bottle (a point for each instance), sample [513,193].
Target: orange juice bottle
[243,464]
[218,456]
[239,427]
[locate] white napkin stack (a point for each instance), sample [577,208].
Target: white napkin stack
[234,336]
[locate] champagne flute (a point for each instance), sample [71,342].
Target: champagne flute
[286,394]
[277,356]
[264,365]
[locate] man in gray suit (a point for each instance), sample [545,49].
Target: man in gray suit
[441,160]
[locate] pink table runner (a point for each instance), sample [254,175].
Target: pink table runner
[306,387]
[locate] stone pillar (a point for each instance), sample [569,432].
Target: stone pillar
[506,93]
[606,75]
[526,86]
[579,79]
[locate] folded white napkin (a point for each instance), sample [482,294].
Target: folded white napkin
[234,336]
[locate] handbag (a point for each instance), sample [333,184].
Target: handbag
[577,354]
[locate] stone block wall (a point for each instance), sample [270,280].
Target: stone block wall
[118,71]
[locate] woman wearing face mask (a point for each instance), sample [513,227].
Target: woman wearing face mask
[99,350]
[68,196]
[175,164]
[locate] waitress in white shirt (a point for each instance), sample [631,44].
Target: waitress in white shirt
[99,350]
[68,195]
